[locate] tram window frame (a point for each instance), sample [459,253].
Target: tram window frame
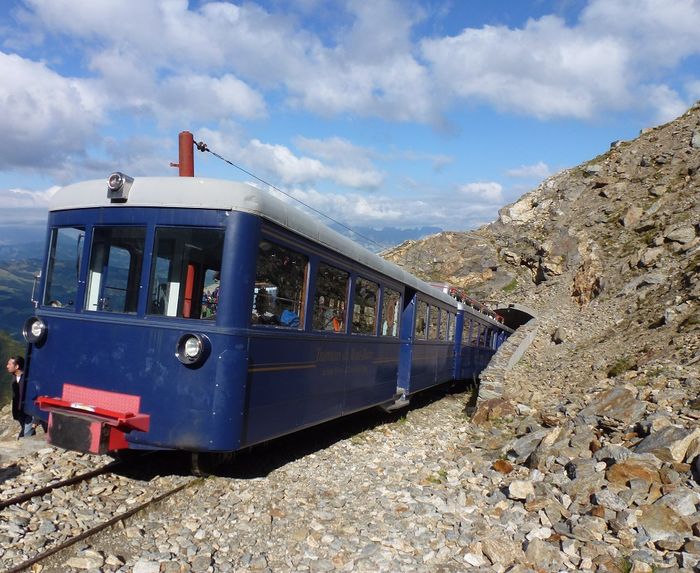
[451,326]
[279,290]
[107,288]
[420,329]
[433,322]
[184,278]
[391,312]
[364,305]
[330,299]
[57,293]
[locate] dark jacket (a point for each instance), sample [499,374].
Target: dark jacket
[18,400]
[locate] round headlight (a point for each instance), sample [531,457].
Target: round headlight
[34,330]
[192,349]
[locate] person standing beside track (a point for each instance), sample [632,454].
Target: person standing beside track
[15,366]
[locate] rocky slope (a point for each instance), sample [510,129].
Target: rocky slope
[607,254]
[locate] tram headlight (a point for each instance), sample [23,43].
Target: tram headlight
[192,349]
[34,330]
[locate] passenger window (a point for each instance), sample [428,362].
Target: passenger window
[474,340]
[364,307]
[330,298]
[481,335]
[280,286]
[421,319]
[452,319]
[444,315]
[391,312]
[114,275]
[65,258]
[434,315]
[185,273]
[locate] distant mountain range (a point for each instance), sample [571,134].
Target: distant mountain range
[377,240]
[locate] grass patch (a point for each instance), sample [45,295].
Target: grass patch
[620,366]
[511,286]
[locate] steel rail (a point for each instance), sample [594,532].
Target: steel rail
[98,528]
[59,484]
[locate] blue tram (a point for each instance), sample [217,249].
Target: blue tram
[208,316]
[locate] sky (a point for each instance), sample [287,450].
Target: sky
[389,113]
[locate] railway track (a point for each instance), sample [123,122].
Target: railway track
[36,548]
[16,500]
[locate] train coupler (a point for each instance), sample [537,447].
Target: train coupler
[92,421]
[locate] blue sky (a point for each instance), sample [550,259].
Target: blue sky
[382,114]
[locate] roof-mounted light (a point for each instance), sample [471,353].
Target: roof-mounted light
[118,186]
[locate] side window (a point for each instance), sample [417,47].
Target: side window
[444,319]
[114,275]
[481,335]
[433,321]
[364,307]
[330,298]
[65,258]
[280,286]
[474,340]
[452,318]
[421,319]
[391,312]
[185,272]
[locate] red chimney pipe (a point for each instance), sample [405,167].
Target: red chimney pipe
[186,159]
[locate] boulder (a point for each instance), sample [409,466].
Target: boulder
[622,473]
[662,522]
[618,403]
[669,444]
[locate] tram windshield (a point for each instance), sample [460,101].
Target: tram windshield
[185,272]
[114,276]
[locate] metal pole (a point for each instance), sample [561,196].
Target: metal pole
[186,162]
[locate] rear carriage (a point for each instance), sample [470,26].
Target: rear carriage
[203,315]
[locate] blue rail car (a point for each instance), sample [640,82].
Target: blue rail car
[202,315]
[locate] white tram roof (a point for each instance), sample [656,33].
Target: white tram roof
[200,193]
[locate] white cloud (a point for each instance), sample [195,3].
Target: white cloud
[666,101]
[215,60]
[21,198]
[45,118]
[487,191]
[545,69]
[658,33]
[539,170]
[357,210]
[202,98]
